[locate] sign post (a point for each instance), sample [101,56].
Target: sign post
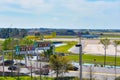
[3,64]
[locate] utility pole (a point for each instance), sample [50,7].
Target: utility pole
[80,54]
[53,48]
[3,62]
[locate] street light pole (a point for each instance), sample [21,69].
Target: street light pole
[80,62]
[3,62]
[80,55]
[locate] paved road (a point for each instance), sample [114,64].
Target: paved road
[96,49]
[99,73]
[77,39]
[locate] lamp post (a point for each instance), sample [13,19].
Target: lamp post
[3,62]
[80,54]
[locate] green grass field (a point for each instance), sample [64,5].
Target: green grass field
[87,58]
[43,78]
[65,48]
[25,78]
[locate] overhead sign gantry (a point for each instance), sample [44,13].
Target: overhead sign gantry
[32,48]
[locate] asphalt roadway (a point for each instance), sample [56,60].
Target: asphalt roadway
[99,73]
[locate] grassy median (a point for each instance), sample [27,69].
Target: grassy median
[88,58]
[65,48]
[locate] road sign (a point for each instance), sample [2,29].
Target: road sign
[27,49]
[31,48]
[43,45]
[17,48]
[35,44]
[20,49]
[23,48]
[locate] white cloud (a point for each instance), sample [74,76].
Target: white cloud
[36,6]
[55,18]
[81,7]
[90,8]
[62,12]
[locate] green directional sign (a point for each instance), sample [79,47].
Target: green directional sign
[17,48]
[35,44]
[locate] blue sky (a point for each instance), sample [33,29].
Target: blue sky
[71,14]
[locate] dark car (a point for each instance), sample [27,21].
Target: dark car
[20,64]
[8,62]
[73,68]
[12,68]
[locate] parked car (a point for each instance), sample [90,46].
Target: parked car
[12,68]
[8,62]
[73,68]
[20,64]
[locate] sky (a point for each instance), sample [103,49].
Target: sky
[68,14]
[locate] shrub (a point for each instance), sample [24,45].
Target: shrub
[118,78]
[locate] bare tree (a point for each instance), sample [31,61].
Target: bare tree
[116,44]
[105,43]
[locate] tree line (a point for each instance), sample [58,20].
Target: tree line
[12,32]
